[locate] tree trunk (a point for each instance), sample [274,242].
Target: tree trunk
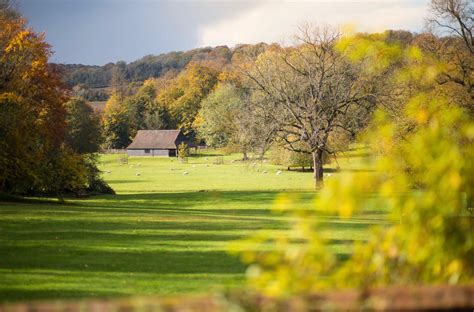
[318,168]
[245,158]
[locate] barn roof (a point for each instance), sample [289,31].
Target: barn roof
[164,139]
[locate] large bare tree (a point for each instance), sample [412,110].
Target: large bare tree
[311,90]
[452,24]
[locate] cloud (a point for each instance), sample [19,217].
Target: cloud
[275,21]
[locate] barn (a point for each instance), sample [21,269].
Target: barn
[156,143]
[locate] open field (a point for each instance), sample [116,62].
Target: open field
[164,233]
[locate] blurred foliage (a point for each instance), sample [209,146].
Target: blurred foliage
[424,177]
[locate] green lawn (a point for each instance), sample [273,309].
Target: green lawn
[164,233]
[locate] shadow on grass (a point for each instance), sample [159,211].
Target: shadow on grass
[146,233]
[13,295]
[139,261]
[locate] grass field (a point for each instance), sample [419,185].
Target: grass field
[163,233]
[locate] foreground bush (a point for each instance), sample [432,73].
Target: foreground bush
[424,178]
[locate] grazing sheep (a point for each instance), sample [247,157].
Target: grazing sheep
[264,171]
[138,174]
[185,173]
[329,174]
[108,171]
[171,168]
[205,158]
[207,165]
[278,172]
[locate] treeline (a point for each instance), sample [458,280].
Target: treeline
[47,140]
[89,81]
[86,79]
[174,101]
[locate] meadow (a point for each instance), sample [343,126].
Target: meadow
[164,233]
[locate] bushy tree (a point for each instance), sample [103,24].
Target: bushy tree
[83,133]
[116,124]
[33,119]
[144,111]
[217,122]
[183,97]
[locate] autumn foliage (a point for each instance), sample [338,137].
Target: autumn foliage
[34,158]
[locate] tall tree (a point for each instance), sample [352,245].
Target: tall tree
[452,41]
[33,121]
[116,123]
[183,97]
[311,90]
[83,133]
[119,79]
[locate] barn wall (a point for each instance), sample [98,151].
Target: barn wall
[141,152]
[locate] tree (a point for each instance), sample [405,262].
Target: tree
[452,41]
[312,89]
[83,133]
[218,116]
[454,17]
[31,100]
[116,124]
[183,152]
[144,111]
[119,79]
[183,97]
[229,118]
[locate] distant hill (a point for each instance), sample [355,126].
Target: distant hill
[92,76]
[94,81]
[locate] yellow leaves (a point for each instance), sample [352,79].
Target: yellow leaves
[370,48]
[19,42]
[415,54]
[421,116]
[455,180]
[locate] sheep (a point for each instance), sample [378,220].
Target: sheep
[171,168]
[278,172]
[185,173]
[329,174]
[264,171]
[108,171]
[194,166]
[138,174]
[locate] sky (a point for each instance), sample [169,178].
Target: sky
[96,32]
